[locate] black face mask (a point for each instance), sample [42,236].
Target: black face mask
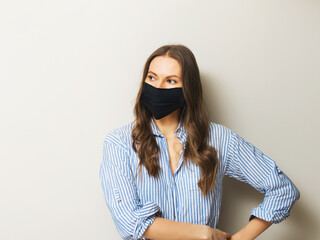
[161,101]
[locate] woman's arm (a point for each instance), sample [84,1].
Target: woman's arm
[165,229]
[131,218]
[248,164]
[253,229]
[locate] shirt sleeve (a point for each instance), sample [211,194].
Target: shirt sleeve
[248,164]
[130,217]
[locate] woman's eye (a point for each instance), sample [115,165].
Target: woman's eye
[150,77]
[172,81]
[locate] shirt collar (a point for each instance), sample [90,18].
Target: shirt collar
[179,132]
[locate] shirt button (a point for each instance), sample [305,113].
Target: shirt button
[172,182]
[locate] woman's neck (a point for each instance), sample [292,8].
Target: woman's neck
[168,124]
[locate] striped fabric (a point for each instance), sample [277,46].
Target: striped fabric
[134,205]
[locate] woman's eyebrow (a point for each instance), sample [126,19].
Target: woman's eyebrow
[167,76]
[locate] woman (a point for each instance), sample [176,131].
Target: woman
[182,159]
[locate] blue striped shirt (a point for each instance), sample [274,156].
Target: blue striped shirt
[134,205]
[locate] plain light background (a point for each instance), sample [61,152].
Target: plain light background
[70,72]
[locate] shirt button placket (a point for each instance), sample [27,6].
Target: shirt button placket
[173,199]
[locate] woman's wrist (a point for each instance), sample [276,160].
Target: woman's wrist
[238,236]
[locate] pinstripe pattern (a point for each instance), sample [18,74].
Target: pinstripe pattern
[134,205]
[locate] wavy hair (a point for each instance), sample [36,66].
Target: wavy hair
[194,117]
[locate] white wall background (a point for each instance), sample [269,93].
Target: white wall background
[70,72]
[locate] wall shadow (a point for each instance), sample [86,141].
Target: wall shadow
[212,97]
[237,198]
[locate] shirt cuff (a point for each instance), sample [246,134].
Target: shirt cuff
[146,216]
[272,217]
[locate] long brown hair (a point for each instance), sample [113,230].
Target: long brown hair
[194,117]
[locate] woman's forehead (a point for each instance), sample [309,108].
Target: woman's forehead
[165,65]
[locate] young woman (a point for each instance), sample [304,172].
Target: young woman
[182,158]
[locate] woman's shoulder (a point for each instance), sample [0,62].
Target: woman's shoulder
[220,135]
[216,129]
[120,136]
